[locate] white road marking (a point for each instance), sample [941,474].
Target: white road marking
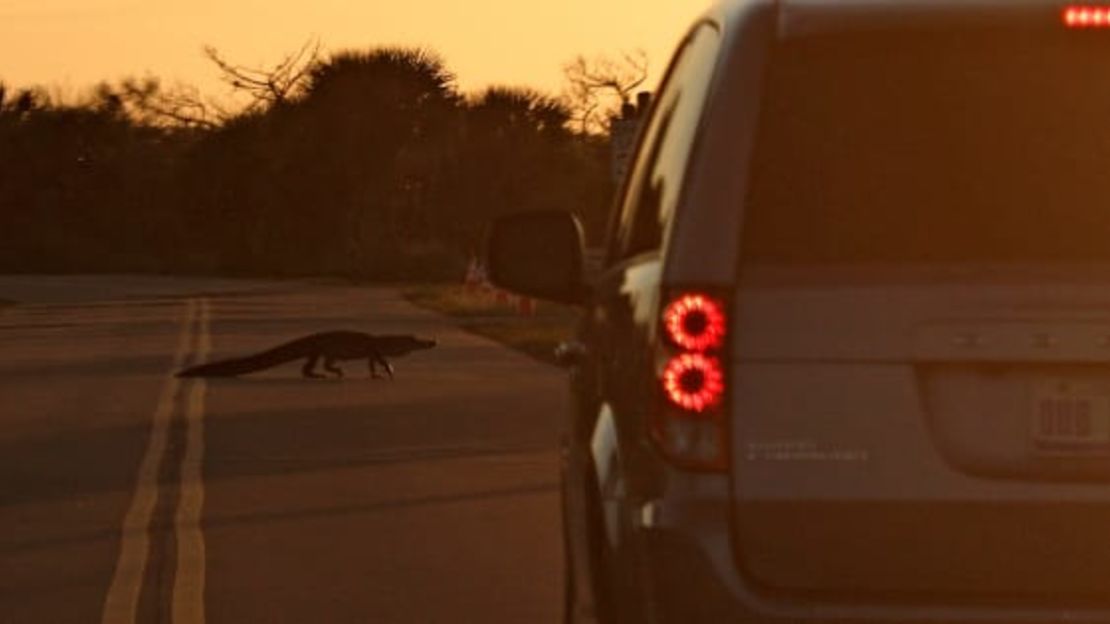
[188,584]
[122,602]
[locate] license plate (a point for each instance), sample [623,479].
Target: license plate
[1070,420]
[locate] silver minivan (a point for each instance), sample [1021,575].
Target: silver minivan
[848,359]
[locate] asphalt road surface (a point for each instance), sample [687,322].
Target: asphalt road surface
[127,495]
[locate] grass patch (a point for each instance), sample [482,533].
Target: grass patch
[480,313]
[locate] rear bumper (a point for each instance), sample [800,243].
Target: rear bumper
[688,587]
[685,587]
[693,578]
[690,574]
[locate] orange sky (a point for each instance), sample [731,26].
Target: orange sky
[74,43]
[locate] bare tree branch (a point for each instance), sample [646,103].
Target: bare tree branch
[598,88]
[148,102]
[269,86]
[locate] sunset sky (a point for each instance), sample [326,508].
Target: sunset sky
[75,43]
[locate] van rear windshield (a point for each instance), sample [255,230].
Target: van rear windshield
[933,148]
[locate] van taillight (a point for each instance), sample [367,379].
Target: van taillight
[1086,16]
[694,382]
[695,322]
[690,424]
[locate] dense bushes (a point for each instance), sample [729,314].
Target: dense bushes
[377,168]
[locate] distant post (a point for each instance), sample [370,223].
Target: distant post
[623,132]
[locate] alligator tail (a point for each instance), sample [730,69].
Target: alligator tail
[246,365]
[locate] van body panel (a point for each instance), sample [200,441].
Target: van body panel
[920,337]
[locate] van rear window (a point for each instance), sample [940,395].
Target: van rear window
[933,148]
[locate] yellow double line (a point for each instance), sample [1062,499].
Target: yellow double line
[122,602]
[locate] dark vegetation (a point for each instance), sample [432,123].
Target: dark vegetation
[369,165]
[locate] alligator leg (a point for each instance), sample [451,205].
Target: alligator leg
[376,359]
[331,367]
[309,370]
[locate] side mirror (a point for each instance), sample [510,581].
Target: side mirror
[539,254]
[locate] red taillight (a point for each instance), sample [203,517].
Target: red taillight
[690,426]
[1086,16]
[695,322]
[694,382]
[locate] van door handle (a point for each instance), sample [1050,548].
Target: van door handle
[571,353]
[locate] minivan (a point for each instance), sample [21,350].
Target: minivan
[848,357]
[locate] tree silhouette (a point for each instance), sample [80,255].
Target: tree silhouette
[598,88]
[149,103]
[269,86]
[364,163]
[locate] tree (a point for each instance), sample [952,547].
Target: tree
[23,101]
[366,163]
[503,109]
[381,124]
[518,154]
[149,103]
[272,86]
[597,89]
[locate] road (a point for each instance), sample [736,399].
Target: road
[127,495]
